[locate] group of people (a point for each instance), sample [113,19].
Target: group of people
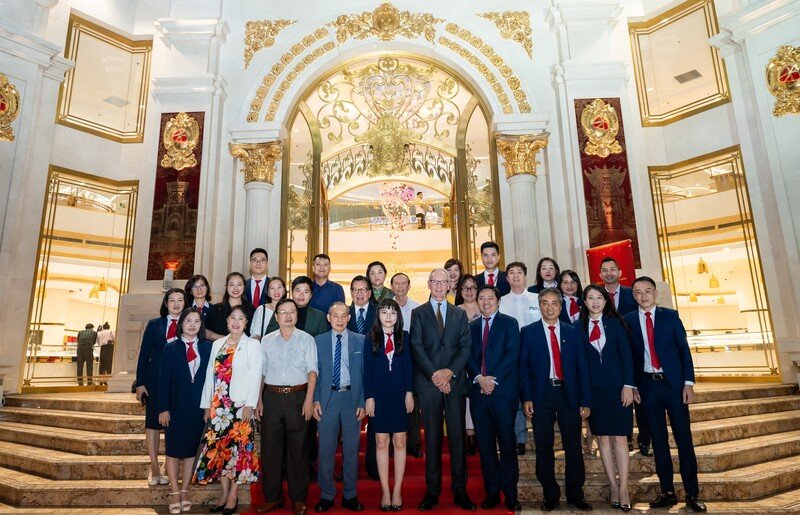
[480,356]
[86,340]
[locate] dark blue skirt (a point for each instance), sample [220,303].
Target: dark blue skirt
[608,417]
[182,436]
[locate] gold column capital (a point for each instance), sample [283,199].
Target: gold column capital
[520,152]
[258,158]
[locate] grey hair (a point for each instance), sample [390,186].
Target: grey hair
[554,291]
[337,304]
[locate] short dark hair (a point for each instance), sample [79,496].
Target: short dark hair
[359,278]
[494,289]
[302,279]
[89,326]
[201,335]
[192,281]
[375,263]
[321,256]
[259,250]
[280,280]
[548,291]
[164,311]
[539,278]
[391,281]
[518,264]
[284,301]
[607,259]
[453,261]
[106,326]
[646,279]
[490,245]
[241,308]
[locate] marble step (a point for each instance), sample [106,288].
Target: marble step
[21,489]
[119,403]
[86,420]
[55,464]
[704,411]
[74,440]
[741,484]
[717,393]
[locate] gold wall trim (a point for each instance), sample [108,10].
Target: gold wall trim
[260,34]
[513,25]
[79,27]
[643,28]
[783,79]
[386,22]
[274,105]
[9,108]
[483,69]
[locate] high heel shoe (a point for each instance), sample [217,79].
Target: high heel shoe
[385,507]
[615,505]
[187,504]
[625,507]
[215,509]
[175,507]
[396,507]
[231,511]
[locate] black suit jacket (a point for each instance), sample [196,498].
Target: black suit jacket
[431,351]
[369,318]
[501,283]
[627,304]
[249,296]
[502,355]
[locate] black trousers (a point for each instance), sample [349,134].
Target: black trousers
[494,424]
[433,402]
[85,356]
[283,427]
[554,408]
[106,358]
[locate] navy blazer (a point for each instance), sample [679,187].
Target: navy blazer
[432,351]
[627,303]
[178,391]
[672,347]
[564,316]
[369,318]
[149,364]
[501,283]
[614,367]
[378,379]
[502,355]
[264,291]
[355,361]
[535,365]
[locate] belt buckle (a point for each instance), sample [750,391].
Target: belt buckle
[285,389]
[556,382]
[658,376]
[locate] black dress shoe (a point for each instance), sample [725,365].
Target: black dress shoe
[415,452]
[323,505]
[664,499]
[215,509]
[695,504]
[549,505]
[615,505]
[520,449]
[352,504]
[645,450]
[580,504]
[513,505]
[428,502]
[490,502]
[462,500]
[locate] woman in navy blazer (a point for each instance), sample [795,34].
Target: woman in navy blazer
[608,351]
[181,379]
[569,284]
[156,335]
[388,390]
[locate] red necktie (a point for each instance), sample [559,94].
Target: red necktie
[595,334]
[257,294]
[190,353]
[612,294]
[389,343]
[573,307]
[172,330]
[491,280]
[651,341]
[556,352]
[484,342]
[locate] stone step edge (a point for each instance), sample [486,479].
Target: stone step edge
[89,415]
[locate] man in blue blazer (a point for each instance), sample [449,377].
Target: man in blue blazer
[494,396]
[492,275]
[257,283]
[555,386]
[339,404]
[664,376]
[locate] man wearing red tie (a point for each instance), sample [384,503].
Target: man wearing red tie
[555,386]
[255,288]
[664,376]
[492,275]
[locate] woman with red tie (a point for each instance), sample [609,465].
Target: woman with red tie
[157,334]
[608,352]
[570,285]
[388,391]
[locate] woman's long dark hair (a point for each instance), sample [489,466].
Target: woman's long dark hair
[226,298]
[609,311]
[460,287]
[201,334]
[164,311]
[574,276]
[376,333]
[539,278]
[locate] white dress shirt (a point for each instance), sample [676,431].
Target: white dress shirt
[568,300]
[483,328]
[550,347]
[435,305]
[598,344]
[523,307]
[170,318]
[648,361]
[288,363]
[486,273]
[406,312]
[615,298]
[195,363]
[262,285]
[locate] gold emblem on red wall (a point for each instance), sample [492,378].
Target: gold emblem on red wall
[783,79]
[180,139]
[9,108]
[601,126]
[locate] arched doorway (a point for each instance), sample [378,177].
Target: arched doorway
[364,142]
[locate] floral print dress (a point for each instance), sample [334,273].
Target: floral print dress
[228,448]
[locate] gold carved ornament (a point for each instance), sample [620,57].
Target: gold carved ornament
[520,153]
[299,205]
[261,34]
[9,108]
[481,200]
[386,22]
[783,79]
[513,25]
[389,141]
[180,138]
[600,125]
[259,159]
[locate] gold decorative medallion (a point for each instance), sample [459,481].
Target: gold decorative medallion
[9,108]
[386,23]
[513,25]
[388,141]
[259,159]
[261,34]
[520,153]
[600,125]
[180,139]
[783,79]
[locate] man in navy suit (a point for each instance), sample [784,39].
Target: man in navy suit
[339,404]
[494,396]
[555,387]
[492,275]
[664,376]
[256,286]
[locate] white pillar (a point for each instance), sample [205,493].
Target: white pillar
[523,213]
[257,202]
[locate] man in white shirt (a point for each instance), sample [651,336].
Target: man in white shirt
[523,306]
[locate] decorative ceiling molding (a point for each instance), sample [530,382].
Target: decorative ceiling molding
[484,70]
[292,75]
[513,25]
[261,34]
[386,22]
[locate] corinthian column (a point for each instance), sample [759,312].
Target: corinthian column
[259,178]
[520,164]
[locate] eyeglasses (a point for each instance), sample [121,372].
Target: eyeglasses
[469,288]
[359,290]
[258,261]
[287,312]
[439,283]
[199,287]
[237,319]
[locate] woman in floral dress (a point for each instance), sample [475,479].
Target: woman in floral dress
[230,395]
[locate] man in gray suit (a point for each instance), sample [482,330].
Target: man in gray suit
[440,346]
[339,403]
[86,340]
